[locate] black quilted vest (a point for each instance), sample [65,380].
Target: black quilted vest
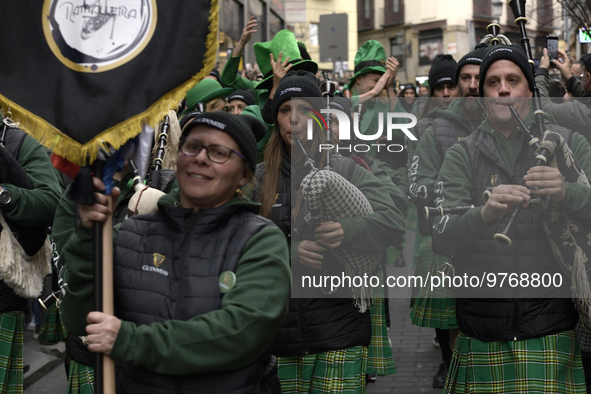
[314,325]
[448,133]
[198,247]
[497,317]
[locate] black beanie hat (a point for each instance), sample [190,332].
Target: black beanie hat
[342,104]
[298,83]
[442,71]
[474,57]
[586,60]
[245,130]
[216,74]
[246,95]
[513,53]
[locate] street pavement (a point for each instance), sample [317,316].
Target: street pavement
[417,360]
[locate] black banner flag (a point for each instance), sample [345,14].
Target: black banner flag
[80,73]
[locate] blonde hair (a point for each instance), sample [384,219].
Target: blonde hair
[211,104]
[273,157]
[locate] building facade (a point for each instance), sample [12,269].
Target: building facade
[416,31]
[233,16]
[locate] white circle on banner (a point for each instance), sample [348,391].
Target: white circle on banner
[98,35]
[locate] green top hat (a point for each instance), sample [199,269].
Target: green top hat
[285,42]
[371,57]
[204,91]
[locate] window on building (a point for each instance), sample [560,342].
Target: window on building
[545,13]
[365,14]
[430,45]
[393,12]
[314,33]
[397,49]
[275,24]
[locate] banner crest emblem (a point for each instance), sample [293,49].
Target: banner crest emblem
[98,35]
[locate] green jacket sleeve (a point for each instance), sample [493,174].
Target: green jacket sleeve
[453,189]
[578,197]
[34,207]
[394,181]
[424,169]
[573,115]
[230,77]
[78,273]
[377,231]
[64,223]
[229,338]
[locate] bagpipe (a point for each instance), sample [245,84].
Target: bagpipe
[330,196]
[160,179]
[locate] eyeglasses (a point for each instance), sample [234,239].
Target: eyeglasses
[215,153]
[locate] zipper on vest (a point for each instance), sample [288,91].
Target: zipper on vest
[302,303]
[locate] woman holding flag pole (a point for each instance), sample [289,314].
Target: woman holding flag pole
[201,286]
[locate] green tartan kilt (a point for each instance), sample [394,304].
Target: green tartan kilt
[421,260]
[53,328]
[550,364]
[412,218]
[12,326]
[333,371]
[380,360]
[80,379]
[437,308]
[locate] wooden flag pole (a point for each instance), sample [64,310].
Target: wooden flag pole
[104,370]
[108,304]
[98,285]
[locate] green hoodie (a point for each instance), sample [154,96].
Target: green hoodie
[456,186]
[229,338]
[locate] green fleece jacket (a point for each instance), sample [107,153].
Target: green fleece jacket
[219,340]
[34,207]
[427,160]
[230,78]
[456,181]
[395,182]
[65,222]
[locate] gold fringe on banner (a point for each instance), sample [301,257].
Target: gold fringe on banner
[66,147]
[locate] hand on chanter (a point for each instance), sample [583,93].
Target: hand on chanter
[502,199]
[309,254]
[330,234]
[99,211]
[102,332]
[546,181]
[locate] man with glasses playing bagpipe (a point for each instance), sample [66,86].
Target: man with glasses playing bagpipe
[516,325]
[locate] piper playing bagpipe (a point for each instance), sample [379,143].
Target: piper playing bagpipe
[332,325]
[500,321]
